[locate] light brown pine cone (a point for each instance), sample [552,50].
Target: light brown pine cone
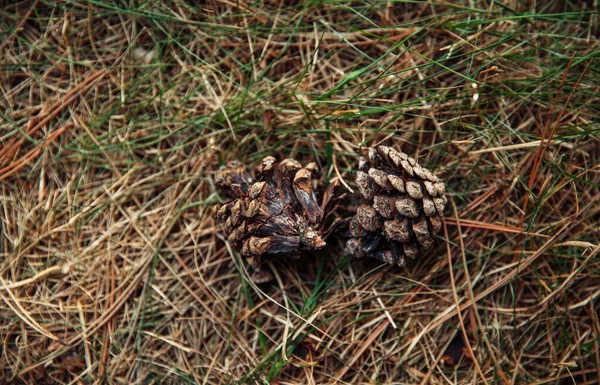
[401,211]
[275,214]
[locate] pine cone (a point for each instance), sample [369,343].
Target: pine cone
[402,208]
[275,215]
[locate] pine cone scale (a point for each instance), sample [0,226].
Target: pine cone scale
[305,195]
[398,230]
[385,206]
[369,218]
[364,185]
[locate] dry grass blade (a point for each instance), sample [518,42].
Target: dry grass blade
[45,116]
[17,308]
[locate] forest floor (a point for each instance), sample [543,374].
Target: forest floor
[115,116]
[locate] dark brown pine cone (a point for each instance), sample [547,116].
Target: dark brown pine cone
[401,211]
[275,214]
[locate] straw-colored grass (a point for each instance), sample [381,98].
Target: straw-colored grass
[115,115]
